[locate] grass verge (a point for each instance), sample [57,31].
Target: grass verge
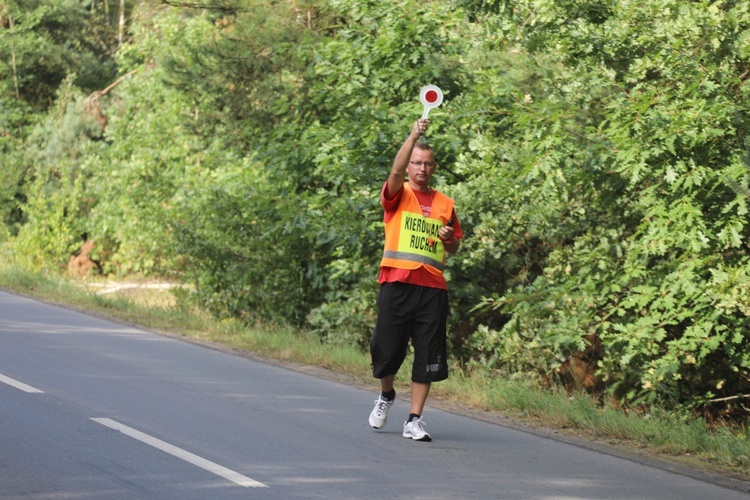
[659,433]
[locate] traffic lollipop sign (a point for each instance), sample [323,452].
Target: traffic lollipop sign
[431,97]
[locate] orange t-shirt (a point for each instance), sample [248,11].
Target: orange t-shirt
[419,276]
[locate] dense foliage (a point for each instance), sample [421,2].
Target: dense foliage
[597,151]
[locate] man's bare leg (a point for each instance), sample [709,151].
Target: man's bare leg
[386,383]
[419,392]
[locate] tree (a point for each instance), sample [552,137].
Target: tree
[43,45]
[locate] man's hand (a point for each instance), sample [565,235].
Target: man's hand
[419,129]
[445,233]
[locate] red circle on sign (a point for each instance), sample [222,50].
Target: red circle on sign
[431,96]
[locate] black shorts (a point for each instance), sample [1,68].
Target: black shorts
[411,312]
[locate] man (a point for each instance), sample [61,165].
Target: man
[420,228]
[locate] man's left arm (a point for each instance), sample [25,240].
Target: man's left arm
[448,235]
[451,246]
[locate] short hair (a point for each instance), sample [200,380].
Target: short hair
[426,147]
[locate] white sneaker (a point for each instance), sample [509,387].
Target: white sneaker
[379,414]
[415,430]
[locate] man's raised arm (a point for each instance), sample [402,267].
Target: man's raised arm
[398,171]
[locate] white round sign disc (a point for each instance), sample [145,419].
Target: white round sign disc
[431,97]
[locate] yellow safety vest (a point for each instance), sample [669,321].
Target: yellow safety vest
[411,239]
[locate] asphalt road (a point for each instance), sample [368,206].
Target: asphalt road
[95,409]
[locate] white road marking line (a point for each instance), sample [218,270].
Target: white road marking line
[20,385]
[182,454]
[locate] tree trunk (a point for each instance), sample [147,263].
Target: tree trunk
[13,56]
[122,23]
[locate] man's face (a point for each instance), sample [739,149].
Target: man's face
[421,167]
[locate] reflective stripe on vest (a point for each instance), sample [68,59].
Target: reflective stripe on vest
[389,254]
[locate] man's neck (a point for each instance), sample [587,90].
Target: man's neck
[417,187]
